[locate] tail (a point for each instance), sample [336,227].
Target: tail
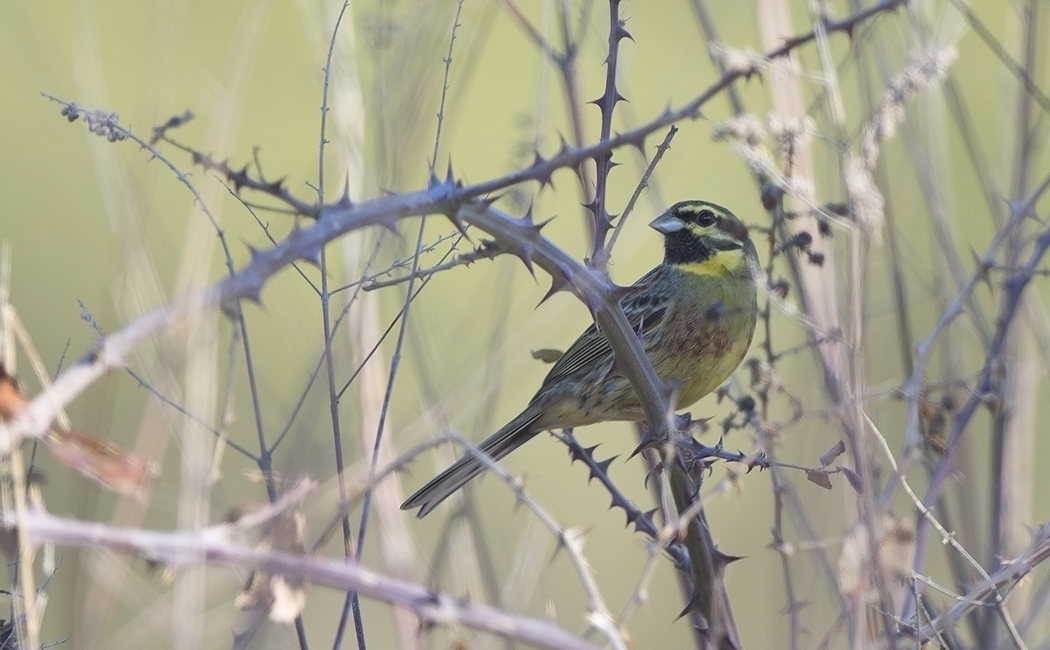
[513,435]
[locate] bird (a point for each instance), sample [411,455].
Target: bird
[695,313]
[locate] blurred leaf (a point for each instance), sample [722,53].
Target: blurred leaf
[96,458]
[282,597]
[820,477]
[12,400]
[858,565]
[852,477]
[102,461]
[547,355]
[830,455]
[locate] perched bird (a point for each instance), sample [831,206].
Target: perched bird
[696,314]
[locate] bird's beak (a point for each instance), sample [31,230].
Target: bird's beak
[667,223]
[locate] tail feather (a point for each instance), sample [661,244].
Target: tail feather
[514,434]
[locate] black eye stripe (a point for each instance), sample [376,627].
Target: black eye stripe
[724,245]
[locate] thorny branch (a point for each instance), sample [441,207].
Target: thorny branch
[181,549]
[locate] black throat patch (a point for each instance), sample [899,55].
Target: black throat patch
[684,247]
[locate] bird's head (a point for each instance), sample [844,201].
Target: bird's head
[705,238]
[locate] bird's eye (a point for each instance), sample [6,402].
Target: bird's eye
[706,218]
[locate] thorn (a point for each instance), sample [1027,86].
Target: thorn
[254,294]
[602,221]
[638,142]
[559,544]
[450,178]
[693,607]
[457,221]
[238,178]
[487,201]
[432,181]
[635,518]
[389,222]
[253,252]
[527,218]
[518,484]
[722,560]
[651,473]
[603,155]
[558,284]
[592,308]
[532,230]
[344,201]
[312,257]
[295,235]
[524,253]
[566,535]
[648,441]
[601,469]
[761,461]
[580,453]
[604,465]
[565,148]
[649,516]
[546,177]
[276,187]
[983,269]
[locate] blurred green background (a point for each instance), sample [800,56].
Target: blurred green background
[100,228]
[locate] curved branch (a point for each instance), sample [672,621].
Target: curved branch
[211,545]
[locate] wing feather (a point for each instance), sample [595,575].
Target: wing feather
[644,309]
